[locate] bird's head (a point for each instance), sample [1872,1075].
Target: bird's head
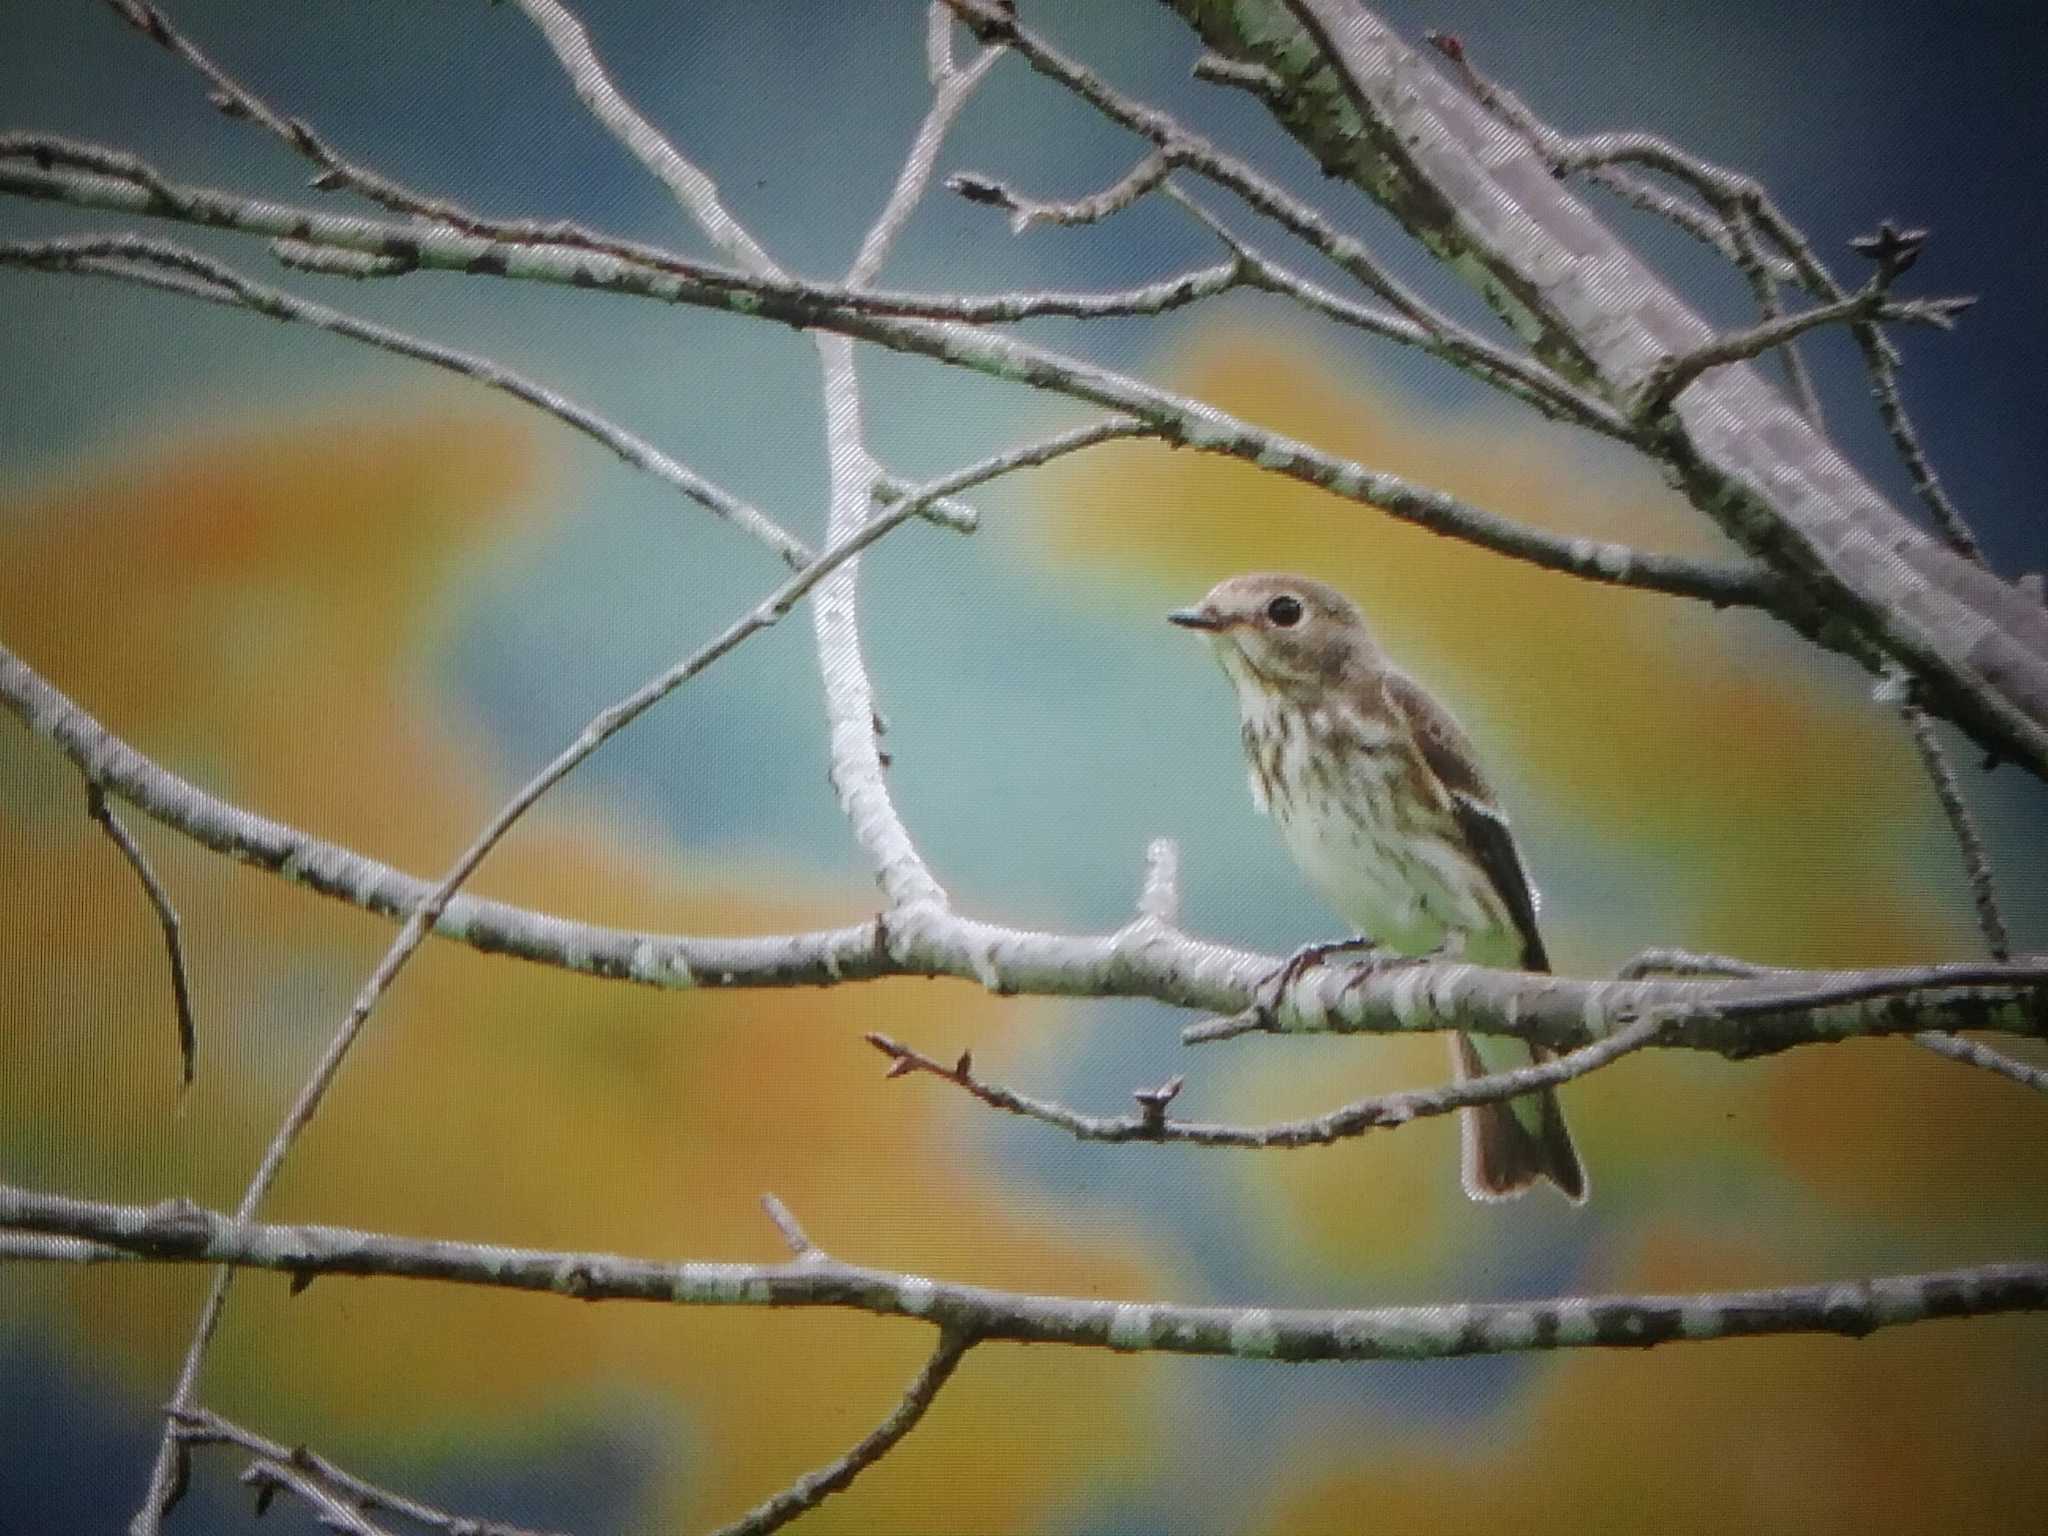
[1284,632]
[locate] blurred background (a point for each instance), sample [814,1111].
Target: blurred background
[370,600]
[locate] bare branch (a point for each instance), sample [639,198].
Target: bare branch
[1663,383]
[1159,898]
[1386,1110]
[1891,409]
[1969,841]
[129,258]
[692,187]
[420,922]
[1148,173]
[179,1232]
[335,1513]
[951,86]
[1243,76]
[200,1427]
[1983,893]
[1140,960]
[851,714]
[1518,376]
[786,1224]
[334,172]
[1178,146]
[813,1488]
[1973,1053]
[1737,202]
[28,1248]
[167,914]
[1486,205]
[1175,417]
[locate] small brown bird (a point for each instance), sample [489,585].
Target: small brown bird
[1380,800]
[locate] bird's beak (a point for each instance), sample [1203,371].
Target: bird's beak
[1194,618]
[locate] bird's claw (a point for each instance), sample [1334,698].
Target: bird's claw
[1266,1003]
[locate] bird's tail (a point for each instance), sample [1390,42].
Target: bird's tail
[1507,1146]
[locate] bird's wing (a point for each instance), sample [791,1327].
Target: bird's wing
[1449,754]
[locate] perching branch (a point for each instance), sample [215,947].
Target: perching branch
[1146,958]
[178,1232]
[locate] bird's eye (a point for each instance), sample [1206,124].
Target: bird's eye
[1284,610]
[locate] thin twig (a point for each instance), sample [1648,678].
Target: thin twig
[1663,383]
[268,1477]
[599,730]
[1983,892]
[1687,962]
[334,172]
[1961,823]
[1172,416]
[786,1224]
[1522,377]
[118,256]
[995,21]
[1726,229]
[690,185]
[1024,211]
[167,914]
[1739,205]
[199,1426]
[813,1488]
[1882,365]
[1150,1123]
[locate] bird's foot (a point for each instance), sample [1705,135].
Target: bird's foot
[1305,959]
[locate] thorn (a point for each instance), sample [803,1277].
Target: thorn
[328,180]
[228,106]
[301,1278]
[964,1067]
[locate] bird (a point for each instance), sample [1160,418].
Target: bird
[1379,797]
